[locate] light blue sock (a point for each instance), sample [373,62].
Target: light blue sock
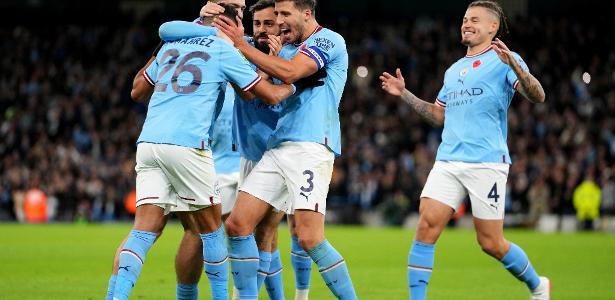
[187,291]
[333,270]
[273,282]
[215,258]
[517,263]
[243,254]
[111,287]
[132,258]
[420,265]
[263,268]
[302,264]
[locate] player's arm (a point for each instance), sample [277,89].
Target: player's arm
[142,89]
[288,71]
[527,85]
[396,86]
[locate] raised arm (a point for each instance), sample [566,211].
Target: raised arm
[300,66]
[528,85]
[396,86]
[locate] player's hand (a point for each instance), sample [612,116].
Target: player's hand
[311,81]
[211,9]
[393,85]
[503,52]
[234,31]
[275,45]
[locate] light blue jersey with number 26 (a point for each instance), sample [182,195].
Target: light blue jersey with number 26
[190,77]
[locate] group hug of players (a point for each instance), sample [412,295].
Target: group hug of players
[243,131]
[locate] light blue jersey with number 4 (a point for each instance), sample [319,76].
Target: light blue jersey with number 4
[476,95]
[190,76]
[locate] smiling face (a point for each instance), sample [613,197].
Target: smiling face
[264,24]
[292,21]
[479,26]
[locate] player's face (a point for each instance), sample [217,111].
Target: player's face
[239,5]
[479,26]
[264,24]
[291,21]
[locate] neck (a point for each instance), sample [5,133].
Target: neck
[309,29]
[473,50]
[223,36]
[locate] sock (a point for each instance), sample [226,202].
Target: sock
[243,255]
[263,268]
[111,287]
[517,263]
[215,258]
[187,291]
[132,258]
[302,294]
[302,264]
[235,294]
[420,265]
[273,282]
[333,270]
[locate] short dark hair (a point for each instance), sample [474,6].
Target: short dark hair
[262,4]
[302,4]
[229,12]
[494,7]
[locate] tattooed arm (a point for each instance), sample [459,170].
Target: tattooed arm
[396,86]
[529,86]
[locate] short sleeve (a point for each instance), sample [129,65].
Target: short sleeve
[511,77]
[442,97]
[236,69]
[324,48]
[151,72]
[176,30]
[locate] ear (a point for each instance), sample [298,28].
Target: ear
[307,14]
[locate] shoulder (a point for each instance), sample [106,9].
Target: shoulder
[328,39]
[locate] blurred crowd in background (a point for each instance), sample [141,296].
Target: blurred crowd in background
[68,126]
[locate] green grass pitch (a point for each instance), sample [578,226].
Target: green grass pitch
[74,262]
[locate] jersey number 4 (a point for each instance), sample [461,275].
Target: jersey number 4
[493,194]
[182,67]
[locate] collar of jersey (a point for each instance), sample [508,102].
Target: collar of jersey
[480,53]
[318,28]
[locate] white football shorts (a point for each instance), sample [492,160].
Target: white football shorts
[451,182]
[292,176]
[228,191]
[176,178]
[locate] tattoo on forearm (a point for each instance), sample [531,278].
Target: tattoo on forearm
[530,86]
[428,111]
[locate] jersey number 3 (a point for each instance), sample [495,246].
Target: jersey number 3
[182,67]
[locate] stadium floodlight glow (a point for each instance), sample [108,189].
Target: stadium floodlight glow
[362,71]
[587,78]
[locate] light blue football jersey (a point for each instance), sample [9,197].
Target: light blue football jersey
[476,95]
[312,115]
[190,77]
[225,159]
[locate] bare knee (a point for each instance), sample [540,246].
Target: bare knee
[428,230]
[494,247]
[235,227]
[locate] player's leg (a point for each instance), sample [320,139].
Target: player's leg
[243,250]
[441,195]
[310,226]
[188,260]
[263,184]
[486,184]
[149,220]
[265,234]
[228,192]
[153,193]
[301,262]
[274,282]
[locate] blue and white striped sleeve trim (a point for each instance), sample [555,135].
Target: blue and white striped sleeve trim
[440,103]
[317,55]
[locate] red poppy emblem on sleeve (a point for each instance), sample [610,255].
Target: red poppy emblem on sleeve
[476,64]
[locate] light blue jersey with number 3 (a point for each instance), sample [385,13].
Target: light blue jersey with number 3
[190,77]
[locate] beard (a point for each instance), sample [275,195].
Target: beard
[263,47]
